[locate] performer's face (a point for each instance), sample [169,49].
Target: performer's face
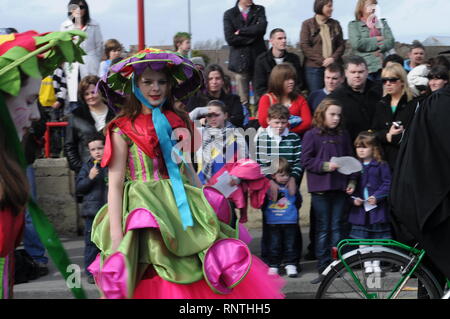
[23,108]
[154,86]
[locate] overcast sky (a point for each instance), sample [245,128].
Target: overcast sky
[409,19]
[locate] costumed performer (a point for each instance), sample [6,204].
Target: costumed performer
[160,236]
[25,58]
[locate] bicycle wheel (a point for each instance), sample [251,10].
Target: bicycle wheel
[339,284]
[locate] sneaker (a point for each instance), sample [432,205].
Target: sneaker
[42,268]
[291,271]
[273,271]
[318,280]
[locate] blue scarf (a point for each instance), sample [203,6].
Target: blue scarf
[164,133]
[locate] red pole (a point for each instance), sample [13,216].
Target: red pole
[141,25]
[47,135]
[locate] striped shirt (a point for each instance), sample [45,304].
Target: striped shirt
[60,85]
[288,145]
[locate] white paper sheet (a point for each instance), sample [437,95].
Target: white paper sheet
[369,207]
[347,164]
[223,185]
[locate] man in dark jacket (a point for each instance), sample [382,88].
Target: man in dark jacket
[244,28]
[275,55]
[358,96]
[420,193]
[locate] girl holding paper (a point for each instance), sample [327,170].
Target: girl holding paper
[369,214]
[328,187]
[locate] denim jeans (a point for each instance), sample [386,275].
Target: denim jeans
[328,209]
[283,244]
[243,86]
[90,249]
[265,239]
[31,241]
[314,78]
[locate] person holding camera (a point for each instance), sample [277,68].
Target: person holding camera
[394,112]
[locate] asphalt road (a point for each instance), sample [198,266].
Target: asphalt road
[52,286]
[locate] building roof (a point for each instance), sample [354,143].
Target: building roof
[437,41]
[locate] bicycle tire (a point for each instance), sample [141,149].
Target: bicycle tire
[338,280]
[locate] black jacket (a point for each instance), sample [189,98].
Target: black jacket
[264,65]
[358,108]
[382,123]
[232,102]
[245,47]
[420,192]
[81,125]
[34,141]
[94,191]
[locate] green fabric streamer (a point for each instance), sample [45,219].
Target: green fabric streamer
[44,228]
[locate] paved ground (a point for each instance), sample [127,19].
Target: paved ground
[53,286]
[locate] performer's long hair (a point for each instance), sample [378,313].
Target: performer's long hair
[14,189]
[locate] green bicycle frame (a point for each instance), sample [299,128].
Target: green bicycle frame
[418,256]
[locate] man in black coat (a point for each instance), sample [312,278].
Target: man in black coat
[244,26]
[275,55]
[420,192]
[358,96]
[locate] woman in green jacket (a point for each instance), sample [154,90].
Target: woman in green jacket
[370,37]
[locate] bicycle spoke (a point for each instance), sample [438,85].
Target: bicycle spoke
[355,289]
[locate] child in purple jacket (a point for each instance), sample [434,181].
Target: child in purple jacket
[328,187]
[371,221]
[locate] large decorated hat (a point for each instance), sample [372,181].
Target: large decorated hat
[36,55]
[186,77]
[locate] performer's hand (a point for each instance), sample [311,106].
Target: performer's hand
[116,240]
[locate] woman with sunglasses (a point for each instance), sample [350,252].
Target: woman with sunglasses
[79,19]
[394,112]
[215,90]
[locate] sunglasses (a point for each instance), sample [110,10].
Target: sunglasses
[390,80]
[437,77]
[209,115]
